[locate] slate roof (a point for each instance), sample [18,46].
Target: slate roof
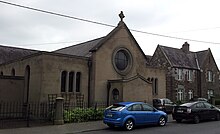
[178,58]
[82,49]
[201,56]
[12,53]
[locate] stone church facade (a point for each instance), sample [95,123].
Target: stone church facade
[108,69]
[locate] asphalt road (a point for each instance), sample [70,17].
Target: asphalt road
[208,127]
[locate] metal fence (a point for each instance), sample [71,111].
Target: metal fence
[18,114]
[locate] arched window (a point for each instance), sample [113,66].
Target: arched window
[155,86]
[63,81]
[2,73]
[115,94]
[121,60]
[13,72]
[71,81]
[78,79]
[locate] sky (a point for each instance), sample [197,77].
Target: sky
[188,19]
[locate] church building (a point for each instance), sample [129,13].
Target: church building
[109,69]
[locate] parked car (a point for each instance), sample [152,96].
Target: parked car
[199,99]
[163,104]
[196,111]
[131,114]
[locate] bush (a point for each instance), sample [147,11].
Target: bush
[83,115]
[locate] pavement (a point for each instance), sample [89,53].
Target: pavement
[71,128]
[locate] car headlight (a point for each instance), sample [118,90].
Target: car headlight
[189,110]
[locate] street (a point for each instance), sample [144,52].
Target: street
[208,127]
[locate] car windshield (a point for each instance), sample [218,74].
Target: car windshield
[116,107]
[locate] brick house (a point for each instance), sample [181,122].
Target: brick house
[188,74]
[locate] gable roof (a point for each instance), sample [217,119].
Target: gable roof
[12,53]
[121,25]
[82,49]
[201,55]
[178,58]
[86,48]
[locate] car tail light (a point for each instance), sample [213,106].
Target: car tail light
[189,110]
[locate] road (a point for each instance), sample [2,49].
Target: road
[208,127]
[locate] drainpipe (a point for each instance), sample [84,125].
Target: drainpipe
[89,80]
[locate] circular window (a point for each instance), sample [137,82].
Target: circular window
[122,61]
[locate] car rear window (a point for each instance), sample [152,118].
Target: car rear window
[116,107]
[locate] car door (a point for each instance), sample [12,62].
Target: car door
[211,111]
[138,113]
[150,114]
[201,110]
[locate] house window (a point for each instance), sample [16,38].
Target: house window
[210,93]
[210,76]
[78,79]
[155,87]
[63,81]
[71,81]
[190,94]
[180,94]
[115,94]
[1,73]
[189,75]
[13,72]
[180,74]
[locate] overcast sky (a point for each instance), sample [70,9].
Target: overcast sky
[189,19]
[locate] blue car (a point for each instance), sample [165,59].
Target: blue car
[130,114]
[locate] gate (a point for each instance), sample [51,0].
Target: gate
[17,114]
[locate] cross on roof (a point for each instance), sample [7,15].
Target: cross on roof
[121,15]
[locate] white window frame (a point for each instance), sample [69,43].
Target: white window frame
[210,76]
[180,94]
[210,93]
[180,74]
[189,75]
[190,93]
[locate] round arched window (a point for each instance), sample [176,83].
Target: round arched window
[115,94]
[122,61]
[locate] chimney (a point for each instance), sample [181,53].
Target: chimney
[185,47]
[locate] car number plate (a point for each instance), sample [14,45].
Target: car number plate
[179,111]
[109,115]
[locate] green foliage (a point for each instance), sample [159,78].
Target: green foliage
[83,115]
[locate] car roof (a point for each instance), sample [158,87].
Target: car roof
[188,104]
[128,103]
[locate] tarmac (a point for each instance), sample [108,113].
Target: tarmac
[70,128]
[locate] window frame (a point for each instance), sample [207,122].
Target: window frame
[129,65]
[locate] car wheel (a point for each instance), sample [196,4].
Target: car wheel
[217,118]
[178,120]
[111,125]
[129,125]
[196,119]
[162,121]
